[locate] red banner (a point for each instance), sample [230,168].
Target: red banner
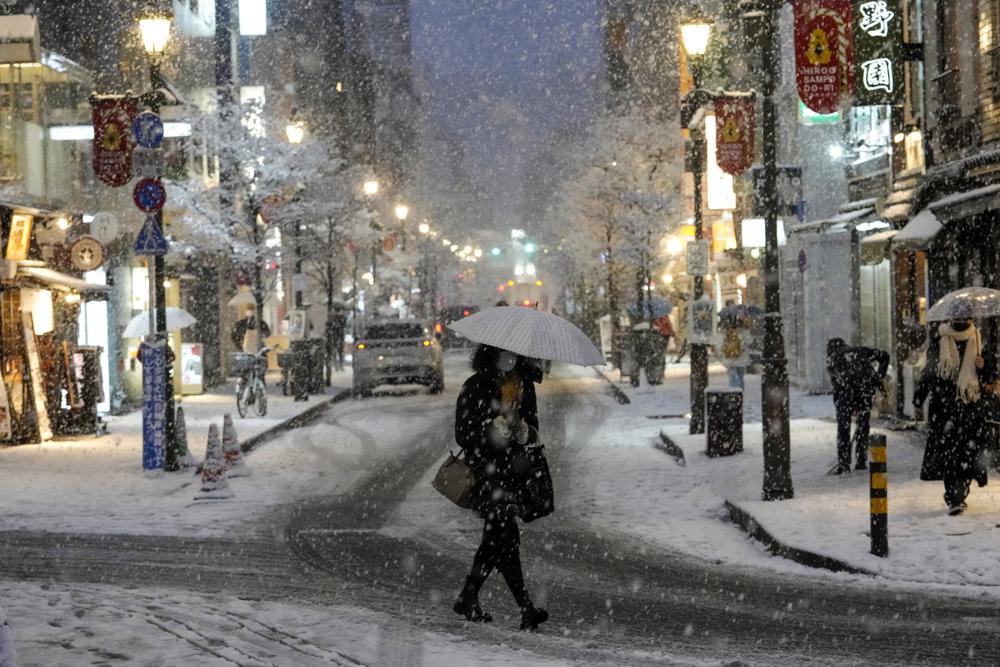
[734,138]
[113,140]
[824,53]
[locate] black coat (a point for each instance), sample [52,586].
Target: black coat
[856,374]
[500,463]
[956,431]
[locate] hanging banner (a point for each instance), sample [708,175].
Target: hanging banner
[113,140]
[734,133]
[824,53]
[878,39]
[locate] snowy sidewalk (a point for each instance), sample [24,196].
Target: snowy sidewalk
[630,486]
[96,484]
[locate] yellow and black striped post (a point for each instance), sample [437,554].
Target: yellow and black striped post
[879,496]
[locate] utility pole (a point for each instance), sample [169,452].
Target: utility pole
[777,484]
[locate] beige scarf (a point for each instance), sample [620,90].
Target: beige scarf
[949,363]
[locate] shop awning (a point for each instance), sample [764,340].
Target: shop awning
[919,231]
[61,281]
[964,204]
[875,247]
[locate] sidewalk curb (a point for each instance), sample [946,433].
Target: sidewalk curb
[620,395]
[301,419]
[752,527]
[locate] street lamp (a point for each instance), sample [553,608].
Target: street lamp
[694,35]
[296,132]
[371,187]
[402,212]
[424,228]
[777,483]
[154,27]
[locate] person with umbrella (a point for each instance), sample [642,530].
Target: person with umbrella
[957,432]
[495,419]
[956,426]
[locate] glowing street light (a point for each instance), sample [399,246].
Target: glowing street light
[371,187]
[402,212]
[695,34]
[296,132]
[424,228]
[155,29]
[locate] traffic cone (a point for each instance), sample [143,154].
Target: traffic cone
[8,656]
[236,465]
[214,484]
[184,456]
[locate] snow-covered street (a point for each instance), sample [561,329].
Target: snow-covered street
[356,560]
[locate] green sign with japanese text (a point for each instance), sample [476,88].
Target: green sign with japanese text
[878,38]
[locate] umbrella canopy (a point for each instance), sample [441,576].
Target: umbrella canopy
[243,298]
[530,333]
[177,318]
[965,303]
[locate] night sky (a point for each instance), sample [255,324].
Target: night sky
[503,75]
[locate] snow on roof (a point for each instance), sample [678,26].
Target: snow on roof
[880,237]
[840,218]
[961,197]
[896,211]
[923,227]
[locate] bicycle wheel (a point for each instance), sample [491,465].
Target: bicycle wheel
[242,398]
[260,398]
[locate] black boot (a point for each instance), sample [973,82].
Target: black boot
[467,604]
[532,617]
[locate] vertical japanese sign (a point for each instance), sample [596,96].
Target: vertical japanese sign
[824,53]
[734,133]
[878,38]
[113,140]
[154,406]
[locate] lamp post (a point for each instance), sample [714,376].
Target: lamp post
[695,34]
[296,132]
[155,30]
[777,484]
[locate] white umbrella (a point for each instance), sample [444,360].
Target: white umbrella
[243,298]
[965,303]
[177,318]
[530,333]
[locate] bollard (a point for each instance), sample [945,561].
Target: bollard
[879,491]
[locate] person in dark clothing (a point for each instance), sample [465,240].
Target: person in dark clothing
[495,418]
[336,328]
[956,428]
[856,374]
[249,323]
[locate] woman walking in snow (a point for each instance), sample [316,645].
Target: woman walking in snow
[956,425]
[496,417]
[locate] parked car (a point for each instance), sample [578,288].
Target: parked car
[397,352]
[448,315]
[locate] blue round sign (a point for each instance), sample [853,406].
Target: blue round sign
[148,129]
[149,195]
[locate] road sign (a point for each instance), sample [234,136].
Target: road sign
[149,195]
[87,253]
[148,162]
[104,227]
[154,406]
[697,258]
[150,240]
[148,129]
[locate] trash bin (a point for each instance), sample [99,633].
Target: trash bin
[296,360]
[723,421]
[628,364]
[317,360]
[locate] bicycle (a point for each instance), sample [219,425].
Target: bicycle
[251,389]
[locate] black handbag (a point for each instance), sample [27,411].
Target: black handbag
[539,495]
